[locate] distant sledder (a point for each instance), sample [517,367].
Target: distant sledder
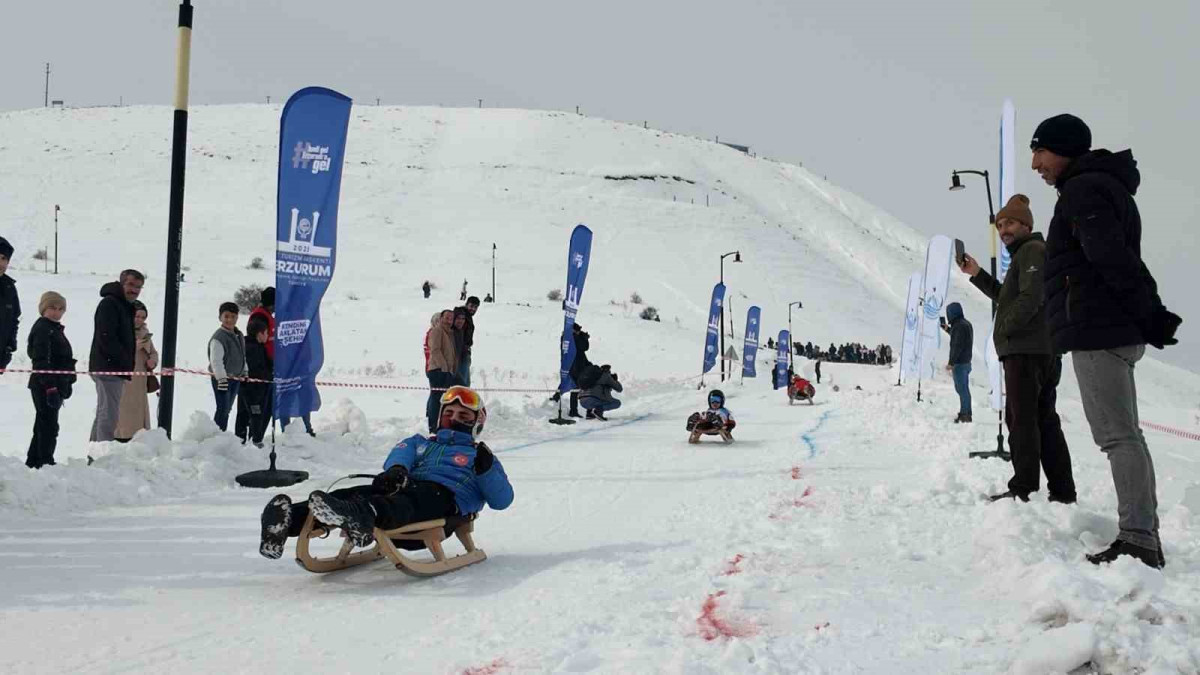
[800,389]
[431,487]
[716,421]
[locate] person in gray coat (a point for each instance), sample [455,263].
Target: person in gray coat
[597,399]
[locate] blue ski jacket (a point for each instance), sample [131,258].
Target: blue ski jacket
[449,459]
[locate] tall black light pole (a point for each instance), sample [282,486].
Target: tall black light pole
[737,258]
[183,58]
[493,271]
[791,335]
[955,186]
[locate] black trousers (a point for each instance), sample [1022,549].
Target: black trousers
[1035,435]
[45,432]
[249,423]
[422,500]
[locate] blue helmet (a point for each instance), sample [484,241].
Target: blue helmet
[716,396]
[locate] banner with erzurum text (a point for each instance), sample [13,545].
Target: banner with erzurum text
[714,327]
[750,350]
[783,350]
[579,255]
[312,145]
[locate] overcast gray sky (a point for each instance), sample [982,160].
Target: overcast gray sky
[883,97]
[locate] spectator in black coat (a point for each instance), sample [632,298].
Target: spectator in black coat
[1102,305]
[254,405]
[580,365]
[962,342]
[468,334]
[10,307]
[48,349]
[113,347]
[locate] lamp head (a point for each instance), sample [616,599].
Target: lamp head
[955,182]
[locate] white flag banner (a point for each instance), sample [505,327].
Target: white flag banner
[935,284]
[1008,173]
[912,316]
[1008,183]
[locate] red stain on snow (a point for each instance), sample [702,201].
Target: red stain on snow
[731,567]
[796,473]
[490,669]
[713,627]
[796,502]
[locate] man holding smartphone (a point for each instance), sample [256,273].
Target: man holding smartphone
[962,343]
[1031,369]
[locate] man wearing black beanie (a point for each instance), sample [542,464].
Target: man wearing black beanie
[1102,305]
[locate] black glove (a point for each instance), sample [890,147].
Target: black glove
[712,418]
[223,384]
[1161,332]
[53,398]
[391,481]
[483,459]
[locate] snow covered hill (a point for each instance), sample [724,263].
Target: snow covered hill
[845,537]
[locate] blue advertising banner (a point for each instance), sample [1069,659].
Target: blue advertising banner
[782,354]
[312,144]
[714,327]
[751,348]
[578,257]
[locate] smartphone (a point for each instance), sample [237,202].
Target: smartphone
[960,252]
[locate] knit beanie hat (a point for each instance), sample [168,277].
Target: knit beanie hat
[1017,208]
[6,248]
[267,298]
[1064,135]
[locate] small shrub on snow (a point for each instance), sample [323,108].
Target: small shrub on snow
[635,298]
[555,295]
[40,254]
[650,314]
[247,297]
[257,264]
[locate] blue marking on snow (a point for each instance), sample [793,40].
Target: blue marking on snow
[602,427]
[808,435]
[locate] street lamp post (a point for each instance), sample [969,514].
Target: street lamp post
[493,271]
[955,186]
[737,258]
[791,335]
[56,209]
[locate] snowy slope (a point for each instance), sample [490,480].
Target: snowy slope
[845,537]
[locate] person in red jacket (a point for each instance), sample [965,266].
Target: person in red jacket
[801,389]
[266,310]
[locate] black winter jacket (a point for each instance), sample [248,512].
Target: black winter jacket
[113,343]
[962,335]
[581,362]
[1020,300]
[10,318]
[49,349]
[258,367]
[1099,294]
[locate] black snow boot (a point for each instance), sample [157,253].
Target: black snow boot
[600,415]
[276,521]
[355,516]
[1009,494]
[1148,556]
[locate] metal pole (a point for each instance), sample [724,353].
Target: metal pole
[992,234]
[493,271]
[46,99]
[175,218]
[722,359]
[56,238]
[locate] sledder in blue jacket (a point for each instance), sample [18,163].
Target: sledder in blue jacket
[452,458]
[424,478]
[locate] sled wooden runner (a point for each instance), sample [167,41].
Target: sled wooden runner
[427,534]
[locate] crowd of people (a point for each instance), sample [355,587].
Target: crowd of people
[850,352]
[1081,289]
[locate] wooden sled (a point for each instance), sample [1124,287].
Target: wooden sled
[427,534]
[723,433]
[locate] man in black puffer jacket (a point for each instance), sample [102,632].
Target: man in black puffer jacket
[1102,305]
[113,346]
[962,345]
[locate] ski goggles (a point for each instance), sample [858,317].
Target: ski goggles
[464,396]
[716,399]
